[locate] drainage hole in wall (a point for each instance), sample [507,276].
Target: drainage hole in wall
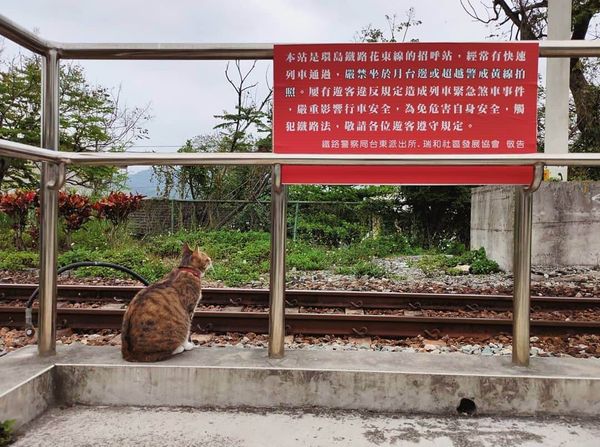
[466,407]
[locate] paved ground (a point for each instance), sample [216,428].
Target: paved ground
[129,426]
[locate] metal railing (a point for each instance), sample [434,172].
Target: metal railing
[55,164]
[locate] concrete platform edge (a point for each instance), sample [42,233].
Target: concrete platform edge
[348,390]
[234,378]
[29,399]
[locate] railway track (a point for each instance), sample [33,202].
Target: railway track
[353,322]
[316,324]
[312,298]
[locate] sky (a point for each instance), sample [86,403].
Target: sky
[184,95]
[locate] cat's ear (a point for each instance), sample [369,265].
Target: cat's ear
[186,249]
[197,251]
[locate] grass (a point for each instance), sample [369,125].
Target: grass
[478,261]
[238,257]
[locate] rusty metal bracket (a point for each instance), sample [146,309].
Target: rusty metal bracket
[360,331]
[433,334]
[206,328]
[357,304]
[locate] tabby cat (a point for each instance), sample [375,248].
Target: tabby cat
[158,320]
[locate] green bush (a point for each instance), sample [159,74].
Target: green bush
[330,230]
[93,236]
[166,246]
[18,260]
[484,267]
[155,269]
[431,264]
[135,258]
[77,255]
[453,247]
[301,256]
[479,262]
[477,259]
[363,268]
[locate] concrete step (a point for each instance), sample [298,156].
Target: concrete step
[237,378]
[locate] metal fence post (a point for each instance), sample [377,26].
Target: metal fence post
[277,282]
[50,183]
[522,267]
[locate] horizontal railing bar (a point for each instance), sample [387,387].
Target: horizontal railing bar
[23,151]
[198,51]
[216,51]
[32,153]
[23,37]
[569,48]
[165,51]
[124,159]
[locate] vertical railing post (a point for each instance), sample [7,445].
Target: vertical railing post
[522,267]
[522,276]
[277,281]
[49,207]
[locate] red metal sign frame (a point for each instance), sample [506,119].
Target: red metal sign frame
[406,98]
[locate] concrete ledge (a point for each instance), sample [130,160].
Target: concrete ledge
[232,377]
[29,399]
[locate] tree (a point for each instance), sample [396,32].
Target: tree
[372,35]
[430,214]
[528,20]
[237,133]
[91,120]
[436,214]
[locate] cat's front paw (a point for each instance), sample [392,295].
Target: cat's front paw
[179,350]
[188,346]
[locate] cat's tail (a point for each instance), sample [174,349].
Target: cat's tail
[125,339]
[135,356]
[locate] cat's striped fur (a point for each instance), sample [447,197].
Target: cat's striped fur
[157,322]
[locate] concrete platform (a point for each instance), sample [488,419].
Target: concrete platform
[163,427]
[237,378]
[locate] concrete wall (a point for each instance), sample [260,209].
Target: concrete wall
[566,223]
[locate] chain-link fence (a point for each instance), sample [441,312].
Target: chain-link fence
[325,221]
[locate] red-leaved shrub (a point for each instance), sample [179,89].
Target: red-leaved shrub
[118,206]
[16,206]
[75,209]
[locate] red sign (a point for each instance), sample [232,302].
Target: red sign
[414,98]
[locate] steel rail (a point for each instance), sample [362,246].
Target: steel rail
[317,324]
[23,151]
[313,298]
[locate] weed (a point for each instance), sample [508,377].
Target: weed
[18,260]
[477,259]
[6,432]
[304,257]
